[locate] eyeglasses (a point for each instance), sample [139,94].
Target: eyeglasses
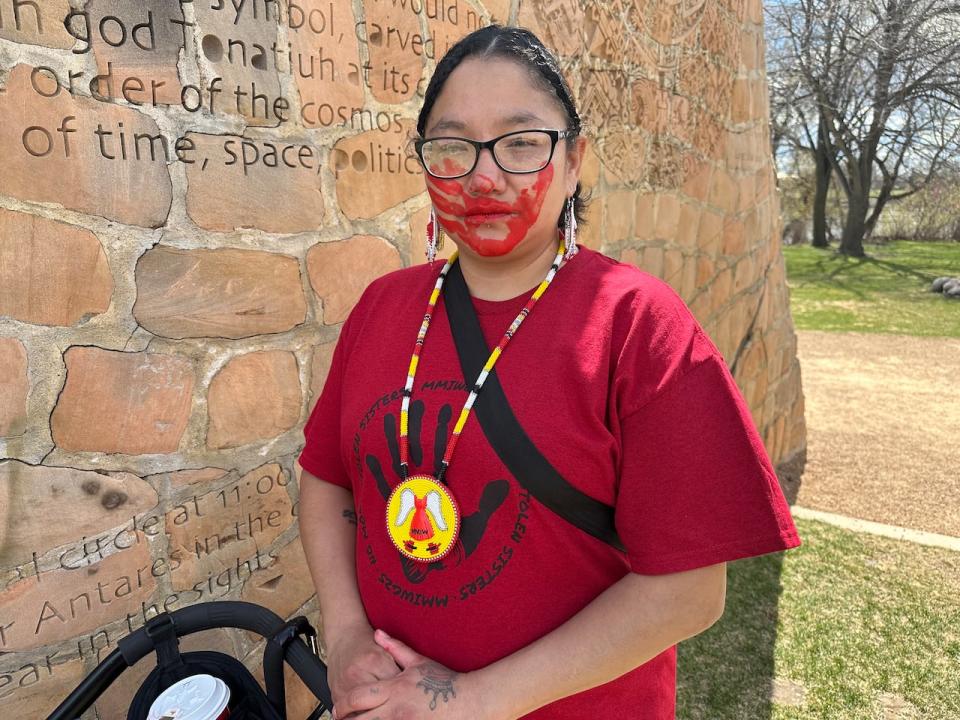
[522,151]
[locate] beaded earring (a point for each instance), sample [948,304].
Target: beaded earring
[434,237]
[570,230]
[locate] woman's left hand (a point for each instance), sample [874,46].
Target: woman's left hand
[423,689]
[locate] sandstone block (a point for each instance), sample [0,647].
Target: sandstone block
[694,80]
[119,402]
[327,68]
[237,47]
[710,232]
[38,686]
[688,226]
[723,192]
[185,478]
[217,293]
[63,603]
[195,477]
[751,56]
[757,396]
[604,96]
[644,224]
[36,23]
[653,260]
[718,34]
[745,274]
[319,368]
[797,429]
[681,119]
[559,24]
[68,150]
[588,233]
[705,270]
[759,99]
[688,278]
[697,184]
[238,182]
[375,171]
[499,10]
[746,193]
[618,215]
[631,256]
[741,105]
[734,238]
[51,273]
[720,289]
[590,170]
[340,271]
[700,305]
[673,268]
[84,504]
[647,97]
[766,220]
[453,20]
[146,60]
[737,8]
[222,537]
[753,364]
[14,387]
[725,338]
[710,136]
[742,154]
[624,157]
[396,56]
[283,586]
[254,397]
[667,217]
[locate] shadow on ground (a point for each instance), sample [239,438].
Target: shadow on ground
[727,673]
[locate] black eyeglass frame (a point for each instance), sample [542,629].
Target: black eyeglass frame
[555,137]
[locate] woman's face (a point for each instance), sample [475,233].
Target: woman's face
[490,212]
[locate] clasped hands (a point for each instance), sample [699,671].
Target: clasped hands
[376,677]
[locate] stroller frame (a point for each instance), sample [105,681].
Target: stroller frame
[284,644]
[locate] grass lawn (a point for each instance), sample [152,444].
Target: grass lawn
[886,292]
[848,626]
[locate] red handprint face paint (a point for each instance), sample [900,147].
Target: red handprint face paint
[488,226]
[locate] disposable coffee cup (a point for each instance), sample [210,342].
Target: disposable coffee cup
[198,697]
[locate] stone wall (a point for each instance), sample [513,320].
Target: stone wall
[192,196]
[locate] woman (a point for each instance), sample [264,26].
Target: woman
[542,556]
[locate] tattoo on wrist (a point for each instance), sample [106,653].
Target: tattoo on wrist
[437,680]
[350,516]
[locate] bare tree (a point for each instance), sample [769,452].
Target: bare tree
[871,90]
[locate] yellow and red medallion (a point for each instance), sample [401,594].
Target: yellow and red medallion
[423,519]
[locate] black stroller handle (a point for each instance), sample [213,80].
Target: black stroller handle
[188,620]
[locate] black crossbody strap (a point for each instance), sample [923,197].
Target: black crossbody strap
[504,432]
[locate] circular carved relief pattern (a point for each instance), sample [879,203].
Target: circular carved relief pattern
[654,79]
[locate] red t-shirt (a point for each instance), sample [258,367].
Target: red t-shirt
[619,388]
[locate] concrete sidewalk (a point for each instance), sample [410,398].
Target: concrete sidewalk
[893,532]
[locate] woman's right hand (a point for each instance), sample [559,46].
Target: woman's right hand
[354,658]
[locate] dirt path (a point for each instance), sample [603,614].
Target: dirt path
[883,423]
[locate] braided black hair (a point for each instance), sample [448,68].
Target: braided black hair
[525,48]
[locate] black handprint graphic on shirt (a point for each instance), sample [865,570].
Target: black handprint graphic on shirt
[473,526]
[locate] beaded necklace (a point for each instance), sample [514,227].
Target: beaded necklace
[423,518]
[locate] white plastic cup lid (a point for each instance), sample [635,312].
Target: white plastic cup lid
[198,697]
